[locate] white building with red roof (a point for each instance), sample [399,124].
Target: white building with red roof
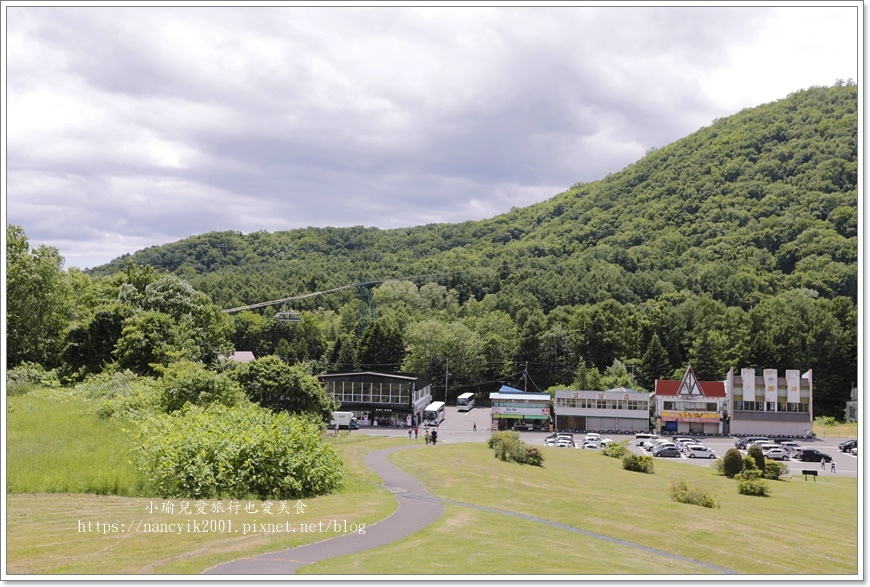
[690,406]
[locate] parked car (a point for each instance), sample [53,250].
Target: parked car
[655,446]
[811,454]
[667,451]
[777,454]
[564,443]
[789,445]
[551,440]
[642,437]
[593,437]
[743,442]
[591,445]
[699,451]
[679,439]
[848,445]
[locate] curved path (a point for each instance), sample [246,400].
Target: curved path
[419,509]
[412,516]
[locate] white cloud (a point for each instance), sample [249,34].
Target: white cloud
[139,126]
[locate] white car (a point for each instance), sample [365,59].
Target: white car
[593,437]
[564,443]
[777,454]
[606,441]
[698,451]
[591,445]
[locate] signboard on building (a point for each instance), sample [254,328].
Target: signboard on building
[509,410]
[690,417]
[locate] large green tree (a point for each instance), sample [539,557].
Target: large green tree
[38,301]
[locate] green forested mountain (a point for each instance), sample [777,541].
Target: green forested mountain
[735,246]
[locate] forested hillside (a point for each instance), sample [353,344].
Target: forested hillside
[736,246]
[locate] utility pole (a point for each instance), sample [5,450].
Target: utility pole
[446,376]
[526,377]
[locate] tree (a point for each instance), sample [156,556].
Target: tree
[274,384]
[150,340]
[654,364]
[380,346]
[185,381]
[38,304]
[732,462]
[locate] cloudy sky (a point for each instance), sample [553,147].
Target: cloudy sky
[130,126]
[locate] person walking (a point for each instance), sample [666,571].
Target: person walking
[416,433]
[833,467]
[823,463]
[426,436]
[409,433]
[474,427]
[434,437]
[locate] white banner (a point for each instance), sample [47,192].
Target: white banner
[793,381]
[748,377]
[770,385]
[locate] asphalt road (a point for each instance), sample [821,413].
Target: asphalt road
[458,427]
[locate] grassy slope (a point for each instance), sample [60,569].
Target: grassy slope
[812,527]
[59,452]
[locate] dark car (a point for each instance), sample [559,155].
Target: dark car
[743,442]
[848,445]
[811,454]
[668,451]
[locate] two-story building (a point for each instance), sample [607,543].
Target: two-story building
[690,406]
[512,408]
[380,399]
[770,405]
[614,410]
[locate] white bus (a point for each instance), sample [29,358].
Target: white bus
[434,414]
[465,402]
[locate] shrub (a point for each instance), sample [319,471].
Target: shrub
[757,454]
[27,376]
[732,462]
[681,492]
[774,469]
[750,483]
[186,381]
[123,393]
[534,456]
[617,450]
[640,463]
[240,452]
[718,466]
[509,447]
[750,464]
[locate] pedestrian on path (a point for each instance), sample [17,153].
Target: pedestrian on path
[434,437]
[833,467]
[823,463]
[416,433]
[474,427]
[426,436]
[409,433]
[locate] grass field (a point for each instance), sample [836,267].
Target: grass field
[62,460]
[61,457]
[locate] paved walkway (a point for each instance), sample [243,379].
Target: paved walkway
[417,509]
[412,516]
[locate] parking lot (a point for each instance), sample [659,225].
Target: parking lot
[459,427]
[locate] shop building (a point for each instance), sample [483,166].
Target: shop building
[614,410]
[690,406]
[380,399]
[769,404]
[512,408]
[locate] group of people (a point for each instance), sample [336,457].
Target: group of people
[429,437]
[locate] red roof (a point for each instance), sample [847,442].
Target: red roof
[709,388]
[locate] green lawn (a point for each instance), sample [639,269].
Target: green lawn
[60,457]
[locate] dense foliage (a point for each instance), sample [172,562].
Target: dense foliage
[733,247]
[241,451]
[682,492]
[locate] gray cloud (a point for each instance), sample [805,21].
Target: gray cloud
[136,126]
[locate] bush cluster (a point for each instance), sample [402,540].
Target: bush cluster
[509,447]
[123,393]
[749,482]
[757,455]
[773,470]
[640,463]
[27,376]
[239,452]
[681,491]
[617,450]
[186,381]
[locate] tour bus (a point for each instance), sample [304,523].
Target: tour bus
[434,414]
[465,402]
